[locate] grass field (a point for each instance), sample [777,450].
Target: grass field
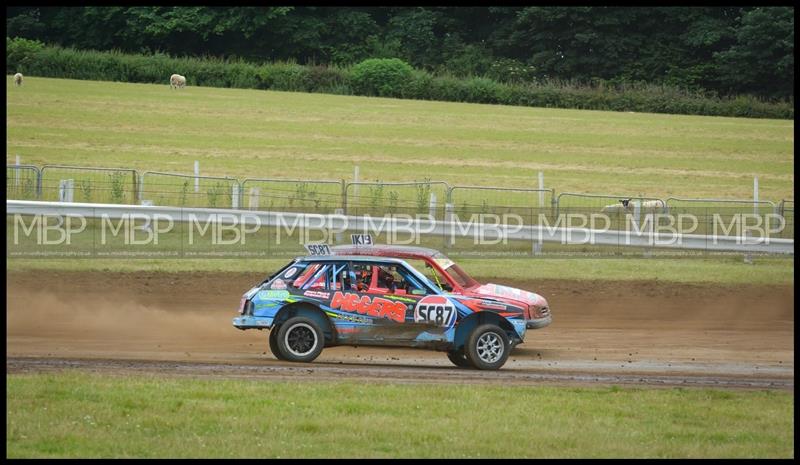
[246,133]
[92,416]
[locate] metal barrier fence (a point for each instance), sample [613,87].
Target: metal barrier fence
[742,206]
[716,215]
[22,182]
[598,202]
[88,184]
[411,198]
[616,207]
[293,195]
[127,186]
[786,210]
[171,223]
[184,190]
[526,203]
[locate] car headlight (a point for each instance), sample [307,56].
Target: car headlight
[536,311]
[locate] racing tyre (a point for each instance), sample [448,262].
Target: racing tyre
[273,343]
[487,347]
[458,358]
[300,339]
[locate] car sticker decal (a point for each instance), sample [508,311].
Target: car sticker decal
[376,307]
[275,295]
[435,309]
[347,317]
[290,272]
[317,294]
[400,298]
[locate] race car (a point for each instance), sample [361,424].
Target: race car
[451,278]
[319,301]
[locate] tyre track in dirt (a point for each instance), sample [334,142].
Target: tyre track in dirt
[386,373]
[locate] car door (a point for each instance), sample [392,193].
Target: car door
[427,314]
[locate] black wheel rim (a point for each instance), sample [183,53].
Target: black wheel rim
[301,339]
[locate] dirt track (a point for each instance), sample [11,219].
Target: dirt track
[603,332]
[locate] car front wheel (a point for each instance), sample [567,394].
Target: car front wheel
[488,347]
[300,339]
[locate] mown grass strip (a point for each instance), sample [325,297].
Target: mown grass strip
[728,270]
[93,416]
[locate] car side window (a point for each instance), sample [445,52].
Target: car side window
[331,276]
[362,273]
[411,284]
[430,272]
[387,278]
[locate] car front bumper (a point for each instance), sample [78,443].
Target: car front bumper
[249,322]
[539,322]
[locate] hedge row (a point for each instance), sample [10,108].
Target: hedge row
[376,77]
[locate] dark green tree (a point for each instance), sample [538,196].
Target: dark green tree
[761,61]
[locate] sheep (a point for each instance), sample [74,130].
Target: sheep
[625,205]
[652,205]
[177,81]
[622,206]
[18,79]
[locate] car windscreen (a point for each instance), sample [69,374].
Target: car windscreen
[459,275]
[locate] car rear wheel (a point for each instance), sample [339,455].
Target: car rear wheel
[273,343]
[488,347]
[300,339]
[458,358]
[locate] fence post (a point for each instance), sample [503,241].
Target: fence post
[355,181]
[65,190]
[448,218]
[196,177]
[541,189]
[136,191]
[235,196]
[255,193]
[755,195]
[344,197]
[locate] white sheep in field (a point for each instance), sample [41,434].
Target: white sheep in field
[652,206]
[177,81]
[626,206]
[621,207]
[18,79]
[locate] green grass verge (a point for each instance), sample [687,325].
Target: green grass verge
[93,416]
[729,270]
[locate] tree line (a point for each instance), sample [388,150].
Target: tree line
[723,51]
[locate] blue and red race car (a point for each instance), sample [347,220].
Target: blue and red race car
[367,297]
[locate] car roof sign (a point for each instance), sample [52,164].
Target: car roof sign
[318,249]
[361,239]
